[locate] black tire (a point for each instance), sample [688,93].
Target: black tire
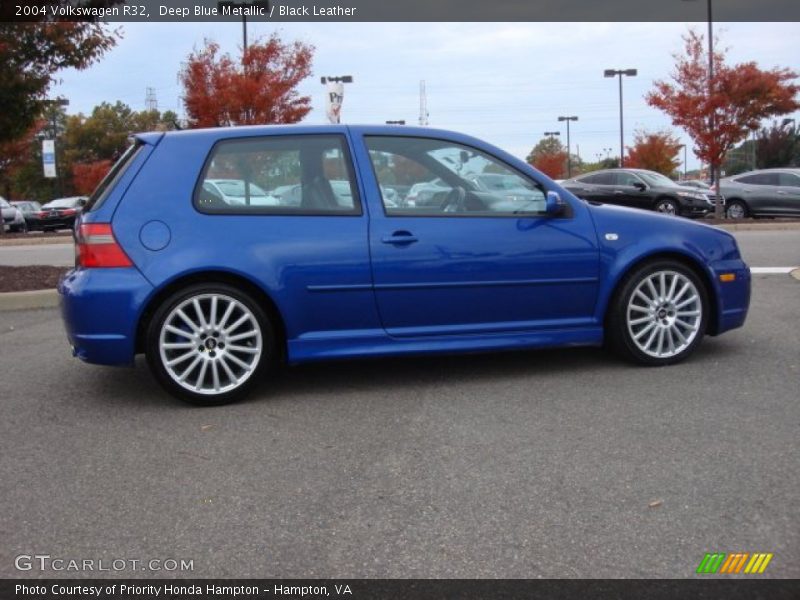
[737,209]
[620,325]
[267,358]
[667,206]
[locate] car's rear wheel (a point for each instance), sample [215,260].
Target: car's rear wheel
[208,343]
[667,206]
[736,209]
[658,315]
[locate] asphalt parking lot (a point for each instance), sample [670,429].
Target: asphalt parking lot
[562,463]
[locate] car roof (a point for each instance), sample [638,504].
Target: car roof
[219,133]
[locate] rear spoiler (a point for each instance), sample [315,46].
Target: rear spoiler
[151,138]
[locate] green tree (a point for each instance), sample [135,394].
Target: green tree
[30,56]
[778,146]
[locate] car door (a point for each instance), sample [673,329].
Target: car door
[626,193]
[760,191]
[478,262]
[585,186]
[788,194]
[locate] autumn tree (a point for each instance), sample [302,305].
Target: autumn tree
[87,144]
[260,89]
[31,54]
[656,151]
[550,157]
[719,115]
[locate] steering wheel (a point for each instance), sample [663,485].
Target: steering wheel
[455,201]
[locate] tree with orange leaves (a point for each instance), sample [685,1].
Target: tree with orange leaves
[549,157]
[740,97]
[262,89]
[86,176]
[654,151]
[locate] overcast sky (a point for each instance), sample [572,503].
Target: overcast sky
[506,83]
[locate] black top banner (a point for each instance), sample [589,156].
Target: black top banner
[404,10]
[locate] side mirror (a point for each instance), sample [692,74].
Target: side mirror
[639,186]
[554,205]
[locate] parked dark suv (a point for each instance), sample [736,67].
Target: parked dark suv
[639,188]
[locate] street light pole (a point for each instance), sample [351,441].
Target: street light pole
[569,156]
[619,73]
[259,7]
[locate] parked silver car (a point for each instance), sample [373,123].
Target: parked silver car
[13,220]
[765,193]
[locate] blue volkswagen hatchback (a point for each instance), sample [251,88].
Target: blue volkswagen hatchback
[216,290]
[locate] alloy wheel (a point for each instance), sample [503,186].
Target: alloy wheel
[664,314]
[210,344]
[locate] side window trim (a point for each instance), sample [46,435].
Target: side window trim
[272,211]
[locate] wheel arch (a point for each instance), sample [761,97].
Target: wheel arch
[685,260]
[212,276]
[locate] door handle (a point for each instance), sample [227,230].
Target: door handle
[782,193]
[399,238]
[620,192]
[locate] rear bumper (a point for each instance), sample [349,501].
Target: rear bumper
[733,297]
[101,309]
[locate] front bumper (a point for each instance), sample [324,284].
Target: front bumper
[101,310]
[733,297]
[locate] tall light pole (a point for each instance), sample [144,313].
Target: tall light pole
[685,157]
[569,156]
[619,73]
[260,7]
[712,121]
[551,134]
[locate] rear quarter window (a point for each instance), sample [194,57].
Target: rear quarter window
[111,179]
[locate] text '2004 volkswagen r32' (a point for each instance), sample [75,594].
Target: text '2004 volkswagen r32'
[214,292]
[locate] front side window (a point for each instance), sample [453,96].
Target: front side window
[301,174]
[627,179]
[789,180]
[423,176]
[656,179]
[759,179]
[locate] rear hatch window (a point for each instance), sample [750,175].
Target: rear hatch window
[110,180]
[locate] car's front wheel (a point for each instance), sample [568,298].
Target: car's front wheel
[208,343]
[736,209]
[658,315]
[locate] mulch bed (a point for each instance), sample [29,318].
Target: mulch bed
[23,279]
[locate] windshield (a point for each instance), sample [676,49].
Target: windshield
[4,204]
[654,178]
[235,188]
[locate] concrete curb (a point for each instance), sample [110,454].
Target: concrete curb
[791,226]
[36,241]
[28,300]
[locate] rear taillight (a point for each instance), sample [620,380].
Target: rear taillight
[96,247]
[67,212]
